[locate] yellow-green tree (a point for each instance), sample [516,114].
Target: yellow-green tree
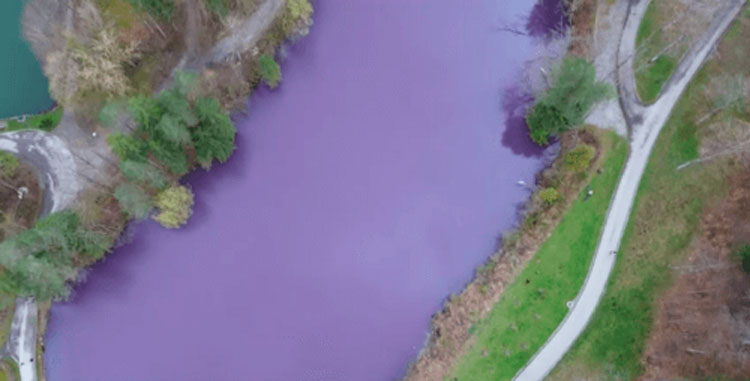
[175,206]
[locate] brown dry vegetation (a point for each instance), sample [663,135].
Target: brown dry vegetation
[582,15]
[450,336]
[19,214]
[702,327]
[677,233]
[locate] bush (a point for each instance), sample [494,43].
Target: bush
[578,159]
[565,105]
[297,13]
[175,205]
[743,253]
[133,200]
[217,7]
[549,195]
[45,122]
[160,9]
[8,164]
[269,70]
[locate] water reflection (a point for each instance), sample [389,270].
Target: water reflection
[547,20]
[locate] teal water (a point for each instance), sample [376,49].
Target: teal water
[23,87]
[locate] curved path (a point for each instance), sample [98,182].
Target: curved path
[56,166]
[645,123]
[62,174]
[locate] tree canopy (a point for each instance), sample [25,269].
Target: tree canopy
[39,262]
[175,205]
[269,70]
[175,131]
[566,103]
[133,200]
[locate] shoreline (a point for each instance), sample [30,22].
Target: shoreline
[32,326]
[518,247]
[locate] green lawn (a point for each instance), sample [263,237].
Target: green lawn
[666,213]
[534,305]
[650,77]
[45,122]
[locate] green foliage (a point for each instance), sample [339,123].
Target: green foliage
[39,262]
[545,120]
[743,253]
[299,9]
[534,305]
[175,205]
[111,111]
[215,138]
[160,9]
[127,147]
[143,172]
[45,122]
[217,7]
[269,70]
[578,159]
[169,127]
[8,164]
[565,105]
[650,74]
[549,195]
[651,79]
[145,111]
[133,200]
[665,215]
[297,12]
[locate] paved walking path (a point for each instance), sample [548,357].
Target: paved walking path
[645,124]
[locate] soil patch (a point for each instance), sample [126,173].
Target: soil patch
[582,14]
[18,214]
[702,326]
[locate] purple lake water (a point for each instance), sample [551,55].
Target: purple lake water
[364,191]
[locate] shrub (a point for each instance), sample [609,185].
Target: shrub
[217,7]
[565,105]
[175,205]
[269,70]
[214,140]
[133,200]
[297,13]
[160,9]
[8,164]
[743,252]
[549,195]
[579,158]
[545,120]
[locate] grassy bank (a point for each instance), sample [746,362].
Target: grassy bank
[9,370]
[666,213]
[533,306]
[46,121]
[653,65]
